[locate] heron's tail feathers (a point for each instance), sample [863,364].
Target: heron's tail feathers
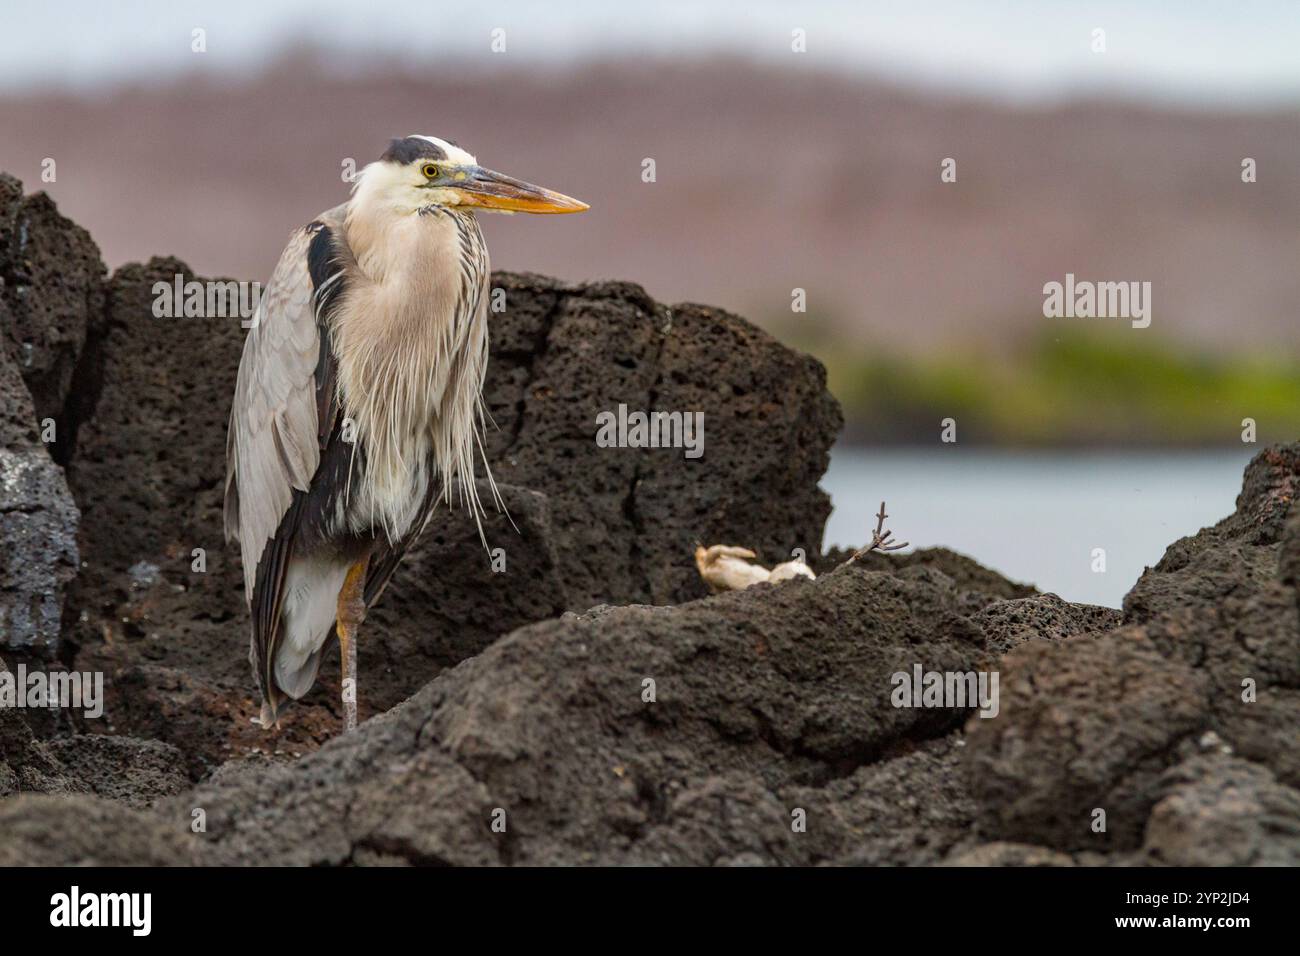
[294,678]
[311,591]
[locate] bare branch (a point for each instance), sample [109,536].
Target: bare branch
[881,539]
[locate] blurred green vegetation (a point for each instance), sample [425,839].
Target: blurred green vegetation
[1075,386]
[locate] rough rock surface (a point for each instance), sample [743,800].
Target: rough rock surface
[626,519]
[1090,723]
[977,586]
[26,763]
[135,772]
[1223,811]
[1210,644]
[764,702]
[769,734]
[85,830]
[38,527]
[1042,617]
[50,300]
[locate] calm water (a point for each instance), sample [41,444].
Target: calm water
[1036,517]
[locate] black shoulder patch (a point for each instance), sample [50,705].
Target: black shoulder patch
[327,285]
[320,256]
[410,149]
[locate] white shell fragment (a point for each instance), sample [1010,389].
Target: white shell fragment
[725,567]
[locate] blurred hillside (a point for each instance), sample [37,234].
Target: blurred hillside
[767,180]
[1071,388]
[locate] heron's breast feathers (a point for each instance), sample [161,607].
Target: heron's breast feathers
[411,350]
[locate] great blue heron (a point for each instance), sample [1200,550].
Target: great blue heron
[358,403]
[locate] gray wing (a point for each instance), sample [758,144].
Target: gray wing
[272,444]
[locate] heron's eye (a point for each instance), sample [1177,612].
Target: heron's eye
[430,171]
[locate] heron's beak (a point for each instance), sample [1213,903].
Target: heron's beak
[493,190]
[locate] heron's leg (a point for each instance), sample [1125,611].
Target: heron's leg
[351,612]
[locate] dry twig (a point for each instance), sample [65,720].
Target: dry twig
[880,539]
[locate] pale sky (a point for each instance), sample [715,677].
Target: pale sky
[1195,51]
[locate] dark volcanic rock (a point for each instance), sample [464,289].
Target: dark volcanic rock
[449,603]
[159,595]
[1222,811]
[1225,601]
[38,527]
[85,830]
[766,701]
[1086,724]
[977,586]
[135,772]
[966,573]
[1211,645]
[26,763]
[51,301]
[626,519]
[772,707]
[1042,617]
[148,471]
[51,298]
[904,811]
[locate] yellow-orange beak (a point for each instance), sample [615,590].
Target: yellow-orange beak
[492,190]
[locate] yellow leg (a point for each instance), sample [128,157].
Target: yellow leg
[351,612]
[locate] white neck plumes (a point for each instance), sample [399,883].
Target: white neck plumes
[410,335]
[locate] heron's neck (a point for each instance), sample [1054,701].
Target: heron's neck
[381,239]
[389,241]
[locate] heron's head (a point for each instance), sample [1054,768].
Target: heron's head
[421,171]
